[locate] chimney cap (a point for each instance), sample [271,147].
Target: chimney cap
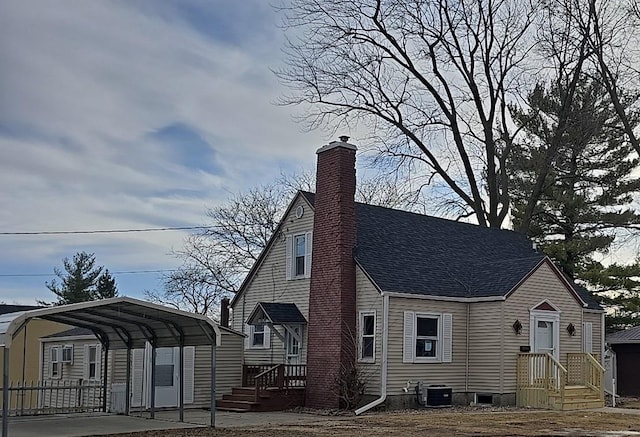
[342,143]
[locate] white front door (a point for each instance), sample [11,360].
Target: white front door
[545,336]
[293,337]
[167,378]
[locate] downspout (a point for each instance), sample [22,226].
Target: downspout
[383,370]
[466,363]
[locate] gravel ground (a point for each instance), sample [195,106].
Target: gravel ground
[458,422]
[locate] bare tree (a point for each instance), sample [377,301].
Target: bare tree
[432,79]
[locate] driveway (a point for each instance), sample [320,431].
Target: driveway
[74,425]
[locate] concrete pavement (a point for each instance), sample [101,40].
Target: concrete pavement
[76,425]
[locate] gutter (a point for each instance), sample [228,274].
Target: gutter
[385,344]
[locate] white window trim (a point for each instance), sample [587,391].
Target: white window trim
[67,347]
[266,344]
[438,357]
[587,337]
[58,361]
[290,261]
[444,345]
[361,317]
[87,363]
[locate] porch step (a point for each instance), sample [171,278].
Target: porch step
[576,397]
[242,399]
[237,406]
[577,390]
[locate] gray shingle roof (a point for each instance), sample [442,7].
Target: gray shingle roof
[6,309]
[71,333]
[280,313]
[418,254]
[631,335]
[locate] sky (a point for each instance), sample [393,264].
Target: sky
[132,115]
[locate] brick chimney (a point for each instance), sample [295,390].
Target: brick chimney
[332,297]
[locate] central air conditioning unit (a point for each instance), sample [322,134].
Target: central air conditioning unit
[434,395]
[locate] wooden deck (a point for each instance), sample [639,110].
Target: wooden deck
[267,387]
[543,382]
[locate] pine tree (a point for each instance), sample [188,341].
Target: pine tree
[80,281]
[588,191]
[106,286]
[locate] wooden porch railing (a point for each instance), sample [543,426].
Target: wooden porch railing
[280,376]
[538,377]
[541,379]
[584,369]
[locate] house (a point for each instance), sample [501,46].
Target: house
[411,298]
[23,361]
[73,357]
[626,347]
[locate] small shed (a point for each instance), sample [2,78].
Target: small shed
[626,345]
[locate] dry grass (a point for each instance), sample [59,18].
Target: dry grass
[420,423]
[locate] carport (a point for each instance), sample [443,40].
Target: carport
[125,323]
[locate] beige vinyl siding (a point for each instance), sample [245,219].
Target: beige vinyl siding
[228,369]
[451,374]
[485,335]
[596,334]
[542,284]
[73,371]
[269,284]
[369,299]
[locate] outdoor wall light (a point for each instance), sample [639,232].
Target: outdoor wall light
[517,327]
[571,329]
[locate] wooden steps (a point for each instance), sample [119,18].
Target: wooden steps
[576,397]
[243,399]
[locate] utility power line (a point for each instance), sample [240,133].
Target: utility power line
[127,272]
[107,231]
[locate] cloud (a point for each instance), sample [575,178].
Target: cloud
[134,114]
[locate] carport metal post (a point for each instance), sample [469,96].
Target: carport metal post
[104,377]
[5,393]
[213,384]
[153,380]
[128,389]
[181,366]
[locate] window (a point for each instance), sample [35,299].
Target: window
[67,354]
[298,254]
[427,337]
[367,336]
[258,337]
[54,358]
[92,357]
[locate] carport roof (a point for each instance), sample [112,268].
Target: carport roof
[123,322]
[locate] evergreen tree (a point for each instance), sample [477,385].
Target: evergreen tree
[106,286]
[81,281]
[588,191]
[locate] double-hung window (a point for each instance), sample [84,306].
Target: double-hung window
[427,337]
[298,255]
[258,337]
[427,342]
[92,361]
[367,336]
[54,359]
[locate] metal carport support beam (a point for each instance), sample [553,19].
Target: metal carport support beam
[120,332]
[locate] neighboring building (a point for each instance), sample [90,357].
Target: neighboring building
[75,356]
[409,297]
[25,354]
[626,346]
